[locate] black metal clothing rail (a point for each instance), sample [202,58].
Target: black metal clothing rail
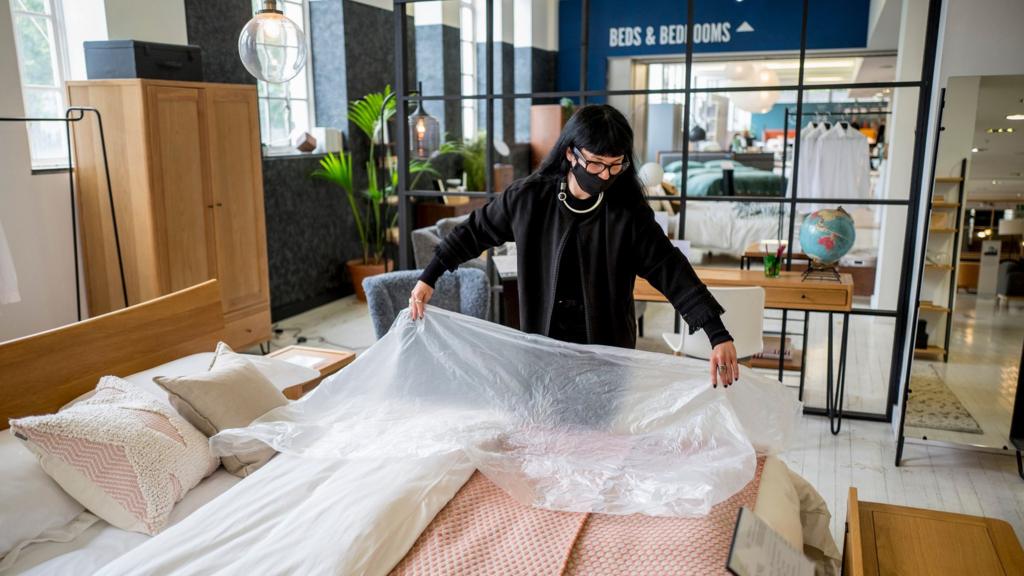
[923,84]
[71,115]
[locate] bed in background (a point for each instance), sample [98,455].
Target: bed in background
[294,515]
[752,174]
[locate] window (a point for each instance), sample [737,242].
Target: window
[467,43]
[41,57]
[288,106]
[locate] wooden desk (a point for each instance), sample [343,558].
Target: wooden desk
[755,251]
[789,291]
[786,292]
[887,539]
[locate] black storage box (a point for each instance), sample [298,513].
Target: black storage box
[135,59]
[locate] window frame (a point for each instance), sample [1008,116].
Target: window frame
[263,97]
[468,109]
[59,68]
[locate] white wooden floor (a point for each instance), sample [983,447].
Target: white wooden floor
[862,455]
[982,370]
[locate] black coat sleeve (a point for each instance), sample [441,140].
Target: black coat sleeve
[487,227]
[667,269]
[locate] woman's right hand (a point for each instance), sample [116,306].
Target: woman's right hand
[418,299]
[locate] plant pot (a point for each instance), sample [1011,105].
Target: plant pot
[357,271]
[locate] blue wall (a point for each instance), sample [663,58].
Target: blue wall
[654,27]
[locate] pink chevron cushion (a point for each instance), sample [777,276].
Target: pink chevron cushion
[121,453]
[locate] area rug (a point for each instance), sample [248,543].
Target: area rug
[933,405]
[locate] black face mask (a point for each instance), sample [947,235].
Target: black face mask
[590,183]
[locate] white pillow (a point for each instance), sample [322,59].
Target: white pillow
[30,501]
[121,453]
[280,373]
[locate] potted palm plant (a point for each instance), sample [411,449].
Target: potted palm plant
[374,213]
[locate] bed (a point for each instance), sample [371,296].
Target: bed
[294,515]
[705,178]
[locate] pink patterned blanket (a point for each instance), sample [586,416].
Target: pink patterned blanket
[484,532]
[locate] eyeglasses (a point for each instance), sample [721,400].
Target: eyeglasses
[594,167]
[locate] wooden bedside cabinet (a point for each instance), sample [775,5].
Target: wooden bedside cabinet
[324,360]
[885,539]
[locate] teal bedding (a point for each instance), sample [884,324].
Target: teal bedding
[705,179]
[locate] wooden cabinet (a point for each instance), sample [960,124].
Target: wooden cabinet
[187,181]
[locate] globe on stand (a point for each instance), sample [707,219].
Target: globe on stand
[826,236]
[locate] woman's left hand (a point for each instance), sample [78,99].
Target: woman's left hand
[724,368]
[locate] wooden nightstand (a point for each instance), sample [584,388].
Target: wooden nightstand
[325,360]
[887,539]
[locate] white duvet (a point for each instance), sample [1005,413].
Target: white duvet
[306,516]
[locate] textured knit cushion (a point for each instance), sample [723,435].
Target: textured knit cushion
[121,453]
[231,394]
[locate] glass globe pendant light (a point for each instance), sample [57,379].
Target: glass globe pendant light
[272,47]
[424,129]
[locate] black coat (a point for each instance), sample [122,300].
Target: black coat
[618,241]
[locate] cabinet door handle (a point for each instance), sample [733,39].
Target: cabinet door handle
[209,205]
[219,205]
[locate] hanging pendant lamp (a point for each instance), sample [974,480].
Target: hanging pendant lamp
[271,46]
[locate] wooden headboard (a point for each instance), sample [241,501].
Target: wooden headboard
[42,372]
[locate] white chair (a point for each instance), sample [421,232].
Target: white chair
[743,318]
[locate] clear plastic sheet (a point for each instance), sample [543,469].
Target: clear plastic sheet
[560,426]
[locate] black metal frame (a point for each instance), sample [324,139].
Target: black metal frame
[71,115]
[923,84]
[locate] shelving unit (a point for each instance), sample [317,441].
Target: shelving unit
[945,210]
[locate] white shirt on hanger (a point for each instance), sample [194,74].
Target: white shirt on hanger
[808,159]
[843,167]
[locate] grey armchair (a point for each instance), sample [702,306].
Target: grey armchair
[465,291]
[1010,281]
[425,240]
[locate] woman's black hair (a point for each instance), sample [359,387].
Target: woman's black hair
[599,129]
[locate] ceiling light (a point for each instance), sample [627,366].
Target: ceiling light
[975,149]
[999,130]
[1015,116]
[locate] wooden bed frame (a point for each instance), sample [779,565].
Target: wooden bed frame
[42,372]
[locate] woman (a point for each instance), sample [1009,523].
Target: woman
[583,233]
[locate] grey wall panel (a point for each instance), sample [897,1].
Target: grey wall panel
[215,27]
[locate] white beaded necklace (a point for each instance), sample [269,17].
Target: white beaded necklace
[562,197]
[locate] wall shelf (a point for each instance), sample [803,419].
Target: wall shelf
[950,213]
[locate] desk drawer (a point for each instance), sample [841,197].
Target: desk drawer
[809,297]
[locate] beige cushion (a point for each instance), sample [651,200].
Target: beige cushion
[231,394]
[121,453]
[778,503]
